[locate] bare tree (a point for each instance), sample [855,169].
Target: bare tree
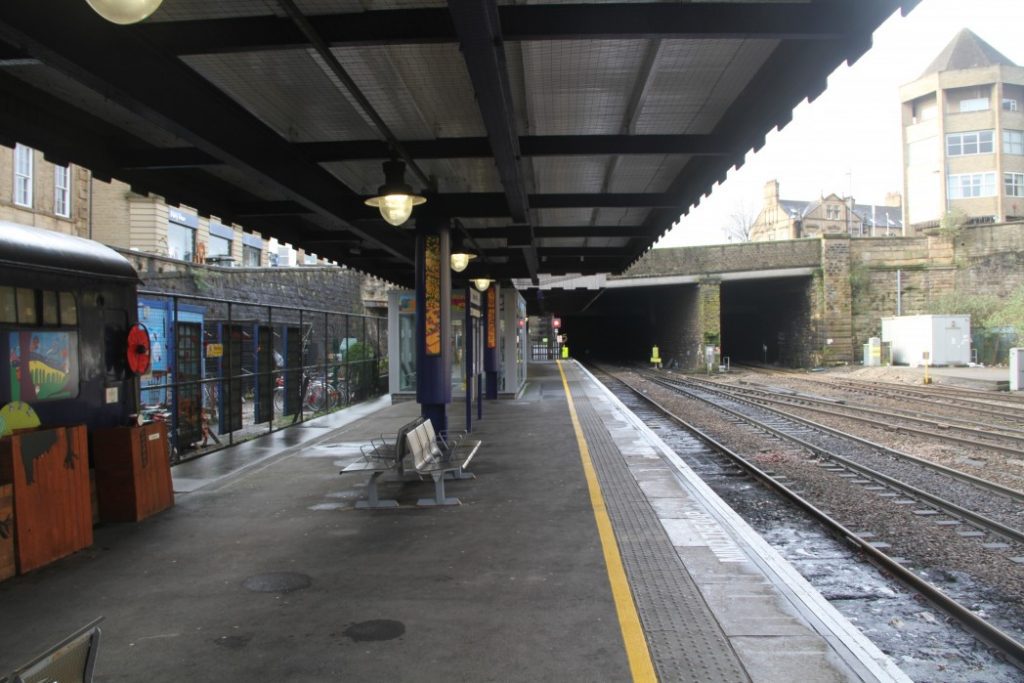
[741,222]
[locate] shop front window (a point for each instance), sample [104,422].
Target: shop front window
[181,241]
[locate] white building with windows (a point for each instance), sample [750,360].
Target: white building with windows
[963,137]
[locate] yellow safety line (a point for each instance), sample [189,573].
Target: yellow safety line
[639,656]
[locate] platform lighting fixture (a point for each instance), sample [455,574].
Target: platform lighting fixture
[461,256]
[481,283]
[124,11]
[394,198]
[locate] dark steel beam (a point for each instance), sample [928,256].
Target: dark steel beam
[72,39]
[479,32]
[463,148]
[777,21]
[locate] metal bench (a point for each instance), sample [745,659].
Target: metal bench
[70,661]
[439,457]
[382,455]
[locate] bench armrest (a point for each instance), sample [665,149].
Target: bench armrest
[378,449]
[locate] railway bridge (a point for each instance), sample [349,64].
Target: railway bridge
[793,302]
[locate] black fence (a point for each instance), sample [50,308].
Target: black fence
[227,371]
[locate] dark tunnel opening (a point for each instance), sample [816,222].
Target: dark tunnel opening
[765,320]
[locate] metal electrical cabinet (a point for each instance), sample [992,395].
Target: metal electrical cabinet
[929,339]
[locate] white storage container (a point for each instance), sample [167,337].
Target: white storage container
[1017,369]
[935,339]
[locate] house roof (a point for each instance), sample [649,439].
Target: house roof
[872,215]
[557,138]
[966,51]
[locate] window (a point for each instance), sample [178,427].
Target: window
[62,191]
[974,104]
[1013,141]
[218,248]
[251,256]
[22,175]
[181,241]
[832,212]
[22,306]
[972,185]
[1009,104]
[43,365]
[1014,184]
[974,142]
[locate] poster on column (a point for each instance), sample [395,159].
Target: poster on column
[432,294]
[492,318]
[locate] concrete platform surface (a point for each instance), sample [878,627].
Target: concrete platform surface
[265,571]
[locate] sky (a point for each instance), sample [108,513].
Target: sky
[848,140]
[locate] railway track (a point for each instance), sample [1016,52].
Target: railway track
[997,527]
[999,437]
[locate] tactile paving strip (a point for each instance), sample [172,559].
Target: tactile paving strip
[686,642]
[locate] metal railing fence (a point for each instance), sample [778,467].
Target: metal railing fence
[226,371]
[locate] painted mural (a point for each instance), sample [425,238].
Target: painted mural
[432,287]
[43,365]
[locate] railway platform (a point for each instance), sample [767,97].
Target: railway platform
[584,550]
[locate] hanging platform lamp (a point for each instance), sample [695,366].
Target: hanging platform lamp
[394,198]
[481,283]
[124,11]
[461,256]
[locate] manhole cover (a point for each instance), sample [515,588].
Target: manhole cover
[375,629]
[277,582]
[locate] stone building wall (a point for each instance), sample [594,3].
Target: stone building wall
[725,258]
[314,287]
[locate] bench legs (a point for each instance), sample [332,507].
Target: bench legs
[439,497]
[372,500]
[460,473]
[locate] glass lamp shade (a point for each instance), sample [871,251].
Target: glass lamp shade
[395,208]
[460,260]
[481,283]
[124,11]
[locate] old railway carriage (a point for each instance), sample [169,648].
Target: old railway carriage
[66,305]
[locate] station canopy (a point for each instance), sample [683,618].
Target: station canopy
[557,138]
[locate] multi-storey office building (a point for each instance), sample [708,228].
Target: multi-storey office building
[963,136]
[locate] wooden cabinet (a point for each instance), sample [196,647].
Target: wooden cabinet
[48,470]
[133,472]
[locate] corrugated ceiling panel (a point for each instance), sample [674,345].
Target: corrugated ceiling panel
[646,173]
[453,175]
[287,91]
[421,91]
[556,217]
[185,10]
[621,216]
[312,7]
[569,174]
[579,87]
[694,81]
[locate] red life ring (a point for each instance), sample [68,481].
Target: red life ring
[138,349]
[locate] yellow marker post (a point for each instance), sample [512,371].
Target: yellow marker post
[640,664]
[655,358]
[565,353]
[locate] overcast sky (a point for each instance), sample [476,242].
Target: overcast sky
[849,138]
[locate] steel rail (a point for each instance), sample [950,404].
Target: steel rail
[984,484]
[990,634]
[953,510]
[897,414]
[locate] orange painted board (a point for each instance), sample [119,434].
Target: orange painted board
[49,471]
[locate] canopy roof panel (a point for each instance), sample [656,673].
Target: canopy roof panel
[556,137]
